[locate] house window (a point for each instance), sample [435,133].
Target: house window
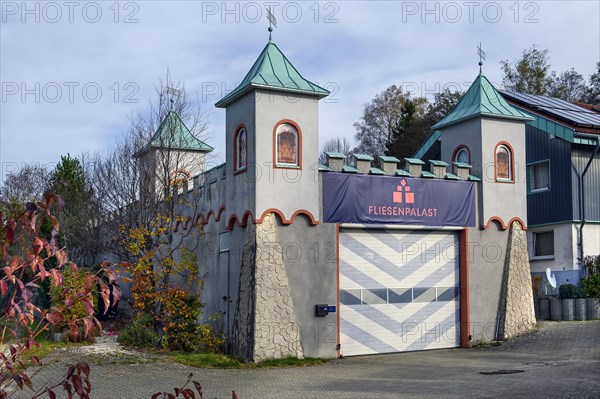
[504,163]
[539,176]
[287,145]
[543,244]
[241,149]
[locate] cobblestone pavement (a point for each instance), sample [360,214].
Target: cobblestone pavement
[561,360]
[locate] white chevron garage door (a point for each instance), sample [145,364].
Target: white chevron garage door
[398,290]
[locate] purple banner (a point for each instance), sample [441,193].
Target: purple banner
[367,199]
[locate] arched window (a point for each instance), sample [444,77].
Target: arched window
[462,155]
[287,145]
[241,149]
[178,178]
[504,163]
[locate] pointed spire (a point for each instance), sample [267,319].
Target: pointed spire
[482,99]
[174,134]
[272,70]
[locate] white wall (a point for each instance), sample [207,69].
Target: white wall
[565,250]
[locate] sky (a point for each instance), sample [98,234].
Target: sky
[73,73]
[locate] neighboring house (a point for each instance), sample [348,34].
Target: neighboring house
[563,185]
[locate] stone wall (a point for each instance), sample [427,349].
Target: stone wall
[265,325]
[517,313]
[276,333]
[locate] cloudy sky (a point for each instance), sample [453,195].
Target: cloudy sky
[73,73]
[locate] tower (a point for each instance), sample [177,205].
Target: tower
[272,141]
[172,155]
[485,131]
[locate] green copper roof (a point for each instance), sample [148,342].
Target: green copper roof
[402,172]
[376,171]
[414,161]
[335,155]
[174,134]
[436,162]
[363,157]
[462,165]
[482,99]
[273,71]
[387,158]
[349,169]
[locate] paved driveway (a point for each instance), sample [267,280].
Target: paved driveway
[561,360]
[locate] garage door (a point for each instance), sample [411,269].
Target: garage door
[398,290]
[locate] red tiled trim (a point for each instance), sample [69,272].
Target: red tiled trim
[502,225]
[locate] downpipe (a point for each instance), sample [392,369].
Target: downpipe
[581,186]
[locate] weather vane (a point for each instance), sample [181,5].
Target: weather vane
[173,92]
[481,55]
[272,21]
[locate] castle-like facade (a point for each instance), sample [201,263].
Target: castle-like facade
[312,260]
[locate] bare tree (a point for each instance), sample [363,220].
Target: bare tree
[139,178]
[380,117]
[24,185]
[338,144]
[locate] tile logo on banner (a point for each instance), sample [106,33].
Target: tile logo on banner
[409,198]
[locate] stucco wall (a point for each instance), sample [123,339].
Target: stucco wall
[465,134]
[487,252]
[240,187]
[481,136]
[591,238]
[565,248]
[504,200]
[287,189]
[310,254]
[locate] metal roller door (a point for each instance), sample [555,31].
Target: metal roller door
[398,290]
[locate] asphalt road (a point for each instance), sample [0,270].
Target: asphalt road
[560,360]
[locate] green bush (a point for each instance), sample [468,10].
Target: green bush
[592,265]
[590,287]
[139,333]
[569,291]
[180,329]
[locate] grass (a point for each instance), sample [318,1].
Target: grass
[210,360]
[213,360]
[46,347]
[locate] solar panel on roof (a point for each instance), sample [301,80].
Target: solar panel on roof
[562,109]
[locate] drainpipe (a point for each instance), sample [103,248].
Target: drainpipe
[581,186]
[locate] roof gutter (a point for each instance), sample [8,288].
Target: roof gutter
[581,187]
